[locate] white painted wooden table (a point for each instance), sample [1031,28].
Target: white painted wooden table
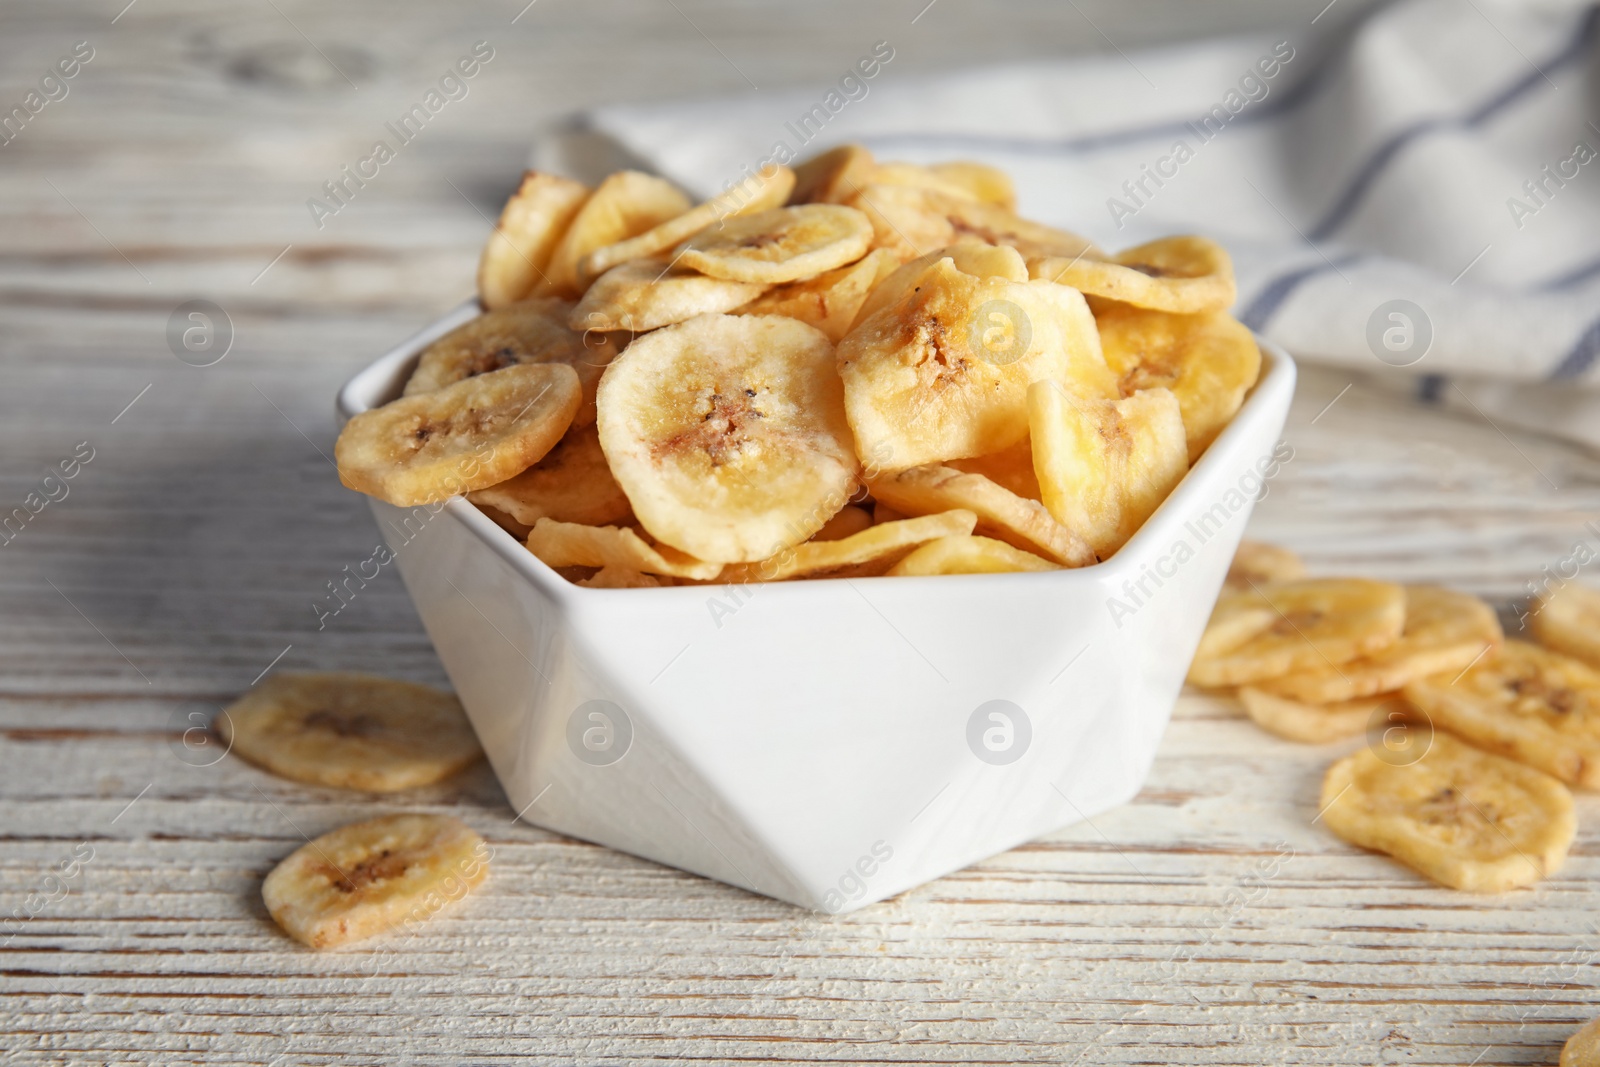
[1209,921]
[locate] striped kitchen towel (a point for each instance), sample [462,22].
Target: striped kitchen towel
[1418,200]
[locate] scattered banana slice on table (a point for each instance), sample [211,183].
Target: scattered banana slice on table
[1313,724]
[361,880]
[1582,1049]
[1257,562]
[1569,621]
[353,731]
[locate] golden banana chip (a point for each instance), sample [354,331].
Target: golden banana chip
[1010,468]
[615,577]
[1569,622]
[784,244]
[626,204]
[1287,626]
[882,513]
[352,731]
[369,877]
[568,544]
[1582,1049]
[518,530]
[534,331]
[728,434]
[846,521]
[1001,514]
[1104,466]
[530,227]
[983,182]
[969,555]
[913,221]
[572,483]
[1466,819]
[834,177]
[921,177]
[870,552]
[646,294]
[968,255]
[1256,562]
[471,435]
[1526,702]
[1445,631]
[1184,275]
[1313,724]
[758,192]
[944,373]
[1208,361]
[832,300]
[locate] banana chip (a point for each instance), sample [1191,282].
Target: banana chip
[363,879]
[1288,626]
[352,731]
[727,432]
[1002,515]
[626,204]
[615,577]
[1256,562]
[572,483]
[1445,631]
[870,552]
[1183,275]
[969,555]
[1314,724]
[471,435]
[1011,468]
[646,294]
[1466,819]
[759,192]
[1104,466]
[1526,702]
[915,174]
[530,227]
[968,255]
[913,221]
[834,177]
[831,301]
[1582,1049]
[567,544]
[944,372]
[981,181]
[846,521]
[784,244]
[534,331]
[1208,361]
[1569,622]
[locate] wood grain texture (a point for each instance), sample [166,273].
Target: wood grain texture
[1211,921]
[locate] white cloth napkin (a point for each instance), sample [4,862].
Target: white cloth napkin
[1418,201]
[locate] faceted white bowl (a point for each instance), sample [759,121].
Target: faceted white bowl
[834,742]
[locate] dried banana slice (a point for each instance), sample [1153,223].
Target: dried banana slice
[870,552]
[921,177]
[530,227]
[1445,631]
[944,372]
[1466,819]
[1582,1049]
[626,204]
[1526,702]
[534,331]
[834,177]
[1010,468]
[1256,562]
[758,192]
[846,521]
[1569,622]
[981,181]
[568,544]
[471,435]
[1313,724]
[572,483]
[912,221]
[646,294]
[363,879]
[968,255]
[969,555]
[1311,622]
[1002,514]
[1104,466]
[728,434]
[784,244]
[1208,361]
[518,530]
[832,300]
[617,577]
[1183,275]
[352,731]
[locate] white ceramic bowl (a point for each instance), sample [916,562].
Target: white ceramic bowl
[833,742]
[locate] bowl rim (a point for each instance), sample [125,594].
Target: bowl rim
[382,379]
